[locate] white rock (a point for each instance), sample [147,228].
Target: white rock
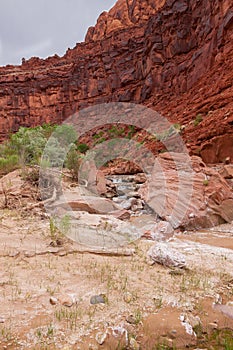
[162,231]
[53,300]
[133,344]
[101,337]
[119,331]
[2,320]
[162,254]
[66,300]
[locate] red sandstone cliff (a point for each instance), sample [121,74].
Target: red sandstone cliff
[173,56]
[125,14]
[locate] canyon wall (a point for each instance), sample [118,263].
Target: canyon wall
[172,56]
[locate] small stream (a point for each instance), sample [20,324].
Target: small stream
[126,188]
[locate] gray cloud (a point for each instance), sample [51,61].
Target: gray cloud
[45,27]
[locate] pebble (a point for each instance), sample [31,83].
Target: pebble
[117,200]
[128,297]
[66,300]
[131,319]
[172,336]
[98,299]
[218,299]
[133,344]
[193,320]
[101,337]
[212,325]
[119,331]
[2,320]
[53,300]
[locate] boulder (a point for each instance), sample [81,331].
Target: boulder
[88,203]
[227,171]
[161,231]
[93,178]
[162,254]
[186,193]
[128,203]
[121,214]
[101,232]
[101,185]
[140,178]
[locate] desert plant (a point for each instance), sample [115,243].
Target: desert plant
[206,182]
[198,119]
[65,134]
[82,147]
[73,161]
[28,144]
[9,163]
[98,135]
[131,131]
[54,153]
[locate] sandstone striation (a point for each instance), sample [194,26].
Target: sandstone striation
[192,196]
[172,56]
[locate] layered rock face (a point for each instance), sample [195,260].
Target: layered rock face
[125,14]
[189,195]
[172,56]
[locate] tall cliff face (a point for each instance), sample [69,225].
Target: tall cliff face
[125,14]
[173,56]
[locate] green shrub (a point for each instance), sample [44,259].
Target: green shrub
[28,144]
[54,153]
[98,136]
[73,161]
[65,134]
[48,129]
[9,164]
[103,139]
[131,131]
[116,131]
[197,120]
[82,147]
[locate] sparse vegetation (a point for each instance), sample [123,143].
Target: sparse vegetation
[27,148]
[132,288]
[82,147]
[198,119]
[71,317]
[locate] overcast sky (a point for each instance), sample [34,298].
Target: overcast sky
[44,27]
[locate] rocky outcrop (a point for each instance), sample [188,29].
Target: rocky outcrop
[125,14]
[173,56]
[191,196]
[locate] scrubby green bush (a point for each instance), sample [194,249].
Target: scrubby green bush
[8,164]
[65,134]
[54,154]
[73,161]
[198,119]
[82,147]
[28,144]
[44,144]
